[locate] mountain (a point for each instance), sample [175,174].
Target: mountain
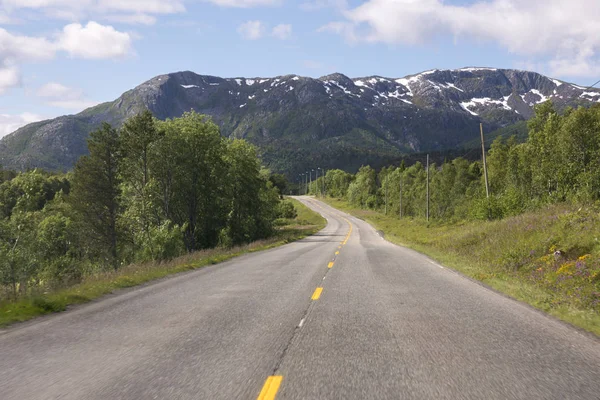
[300,122]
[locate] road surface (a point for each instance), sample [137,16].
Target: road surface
[339,315]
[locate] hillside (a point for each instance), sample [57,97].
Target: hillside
[299,122]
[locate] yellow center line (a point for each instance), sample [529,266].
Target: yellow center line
[317,293]
[330,264]
[337,252]
[270,388]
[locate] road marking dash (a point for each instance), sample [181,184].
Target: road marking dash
[330,264]
[337,252]
[301,323]
[270,388]
[317,293]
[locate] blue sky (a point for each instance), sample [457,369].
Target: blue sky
[60,56]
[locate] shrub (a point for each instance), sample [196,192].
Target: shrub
[286,209]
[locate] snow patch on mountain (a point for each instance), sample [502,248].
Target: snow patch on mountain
[484,101]
[406,83]
[475,69]
[591,95]
[542,96]
[448,85]
[189,86]
[336,83]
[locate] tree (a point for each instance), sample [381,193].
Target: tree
[96,192]
[191,175]
[137,136]
[280,182]
[362,191]
[245,221]
[337,182]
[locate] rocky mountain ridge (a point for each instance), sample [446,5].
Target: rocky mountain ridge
[332,121]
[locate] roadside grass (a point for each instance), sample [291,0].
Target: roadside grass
[92,287]
[516,255]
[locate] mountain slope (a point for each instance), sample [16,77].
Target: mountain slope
[301,122]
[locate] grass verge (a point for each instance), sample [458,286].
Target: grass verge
[305,224]
[548,258]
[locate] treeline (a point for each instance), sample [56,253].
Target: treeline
[559,161]
[149,191]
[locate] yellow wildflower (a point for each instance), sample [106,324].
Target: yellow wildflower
[566,268]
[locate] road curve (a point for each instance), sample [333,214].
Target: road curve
[374,321]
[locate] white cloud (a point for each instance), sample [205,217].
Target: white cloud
[143,6]
[133,19]
[9,78]
[245,3]
[553,30]
[94,41]
[124,11]
[314,5]
[57,90]
[17,48]
[59,95]
[251,30]
[282,31]
[10,123]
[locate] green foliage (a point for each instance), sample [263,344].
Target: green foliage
[96,191]
[286,210]
[560,161]
[362,190]
[151,191]
[280,182]
[337,182]
[160,242]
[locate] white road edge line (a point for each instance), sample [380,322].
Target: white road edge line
[301,323]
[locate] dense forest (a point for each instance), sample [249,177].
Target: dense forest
[152,190]
[559,162]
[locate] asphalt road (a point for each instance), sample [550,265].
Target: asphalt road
[388,324]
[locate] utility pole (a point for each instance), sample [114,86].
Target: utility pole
[324,174]
[427,187]
[386,192]
[400,194]
[487,185]
[318,189]
[310,183]
[305,183]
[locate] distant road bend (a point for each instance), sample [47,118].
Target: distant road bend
[342,314]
